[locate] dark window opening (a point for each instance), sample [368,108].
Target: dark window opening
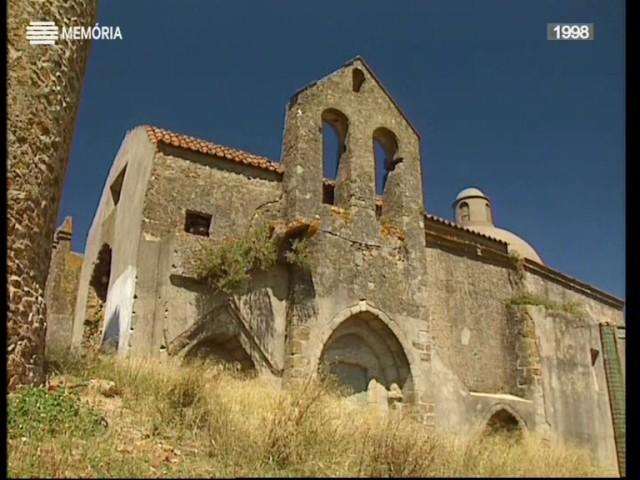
[197,223]
[328,190]
[464,212]
[378,210]
[488,210]
[334,141]
[101,274]
[385,148]
[358,79]
[594,356]
[116,186]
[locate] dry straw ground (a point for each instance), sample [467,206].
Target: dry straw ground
[170,420]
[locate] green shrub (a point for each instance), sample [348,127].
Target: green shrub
[572,308]
[228,265]
[299,253]
[35,413]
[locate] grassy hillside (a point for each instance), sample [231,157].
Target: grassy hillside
[100,418]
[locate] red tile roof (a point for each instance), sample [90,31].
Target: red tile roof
[160,135]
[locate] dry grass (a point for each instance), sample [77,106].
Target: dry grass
[207,421]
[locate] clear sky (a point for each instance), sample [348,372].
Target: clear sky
[537,125]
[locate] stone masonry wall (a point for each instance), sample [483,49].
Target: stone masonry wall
[44,84]
[168,301]
[471,330]
[367,260]
[62,287]
[233,195]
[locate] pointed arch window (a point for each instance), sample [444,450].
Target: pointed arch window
[385,148]
[335,126]
[488,212]
[464,212]
[357,79]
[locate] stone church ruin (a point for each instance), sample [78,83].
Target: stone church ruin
[459,322]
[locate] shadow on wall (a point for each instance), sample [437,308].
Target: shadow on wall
[111,338]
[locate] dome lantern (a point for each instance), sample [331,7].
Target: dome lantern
[472,210]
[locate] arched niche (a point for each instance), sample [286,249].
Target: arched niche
[362,347]
[505,422]
[220,349]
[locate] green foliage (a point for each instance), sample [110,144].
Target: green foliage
[299,253]
[228,265]
[571,308]
[35,413]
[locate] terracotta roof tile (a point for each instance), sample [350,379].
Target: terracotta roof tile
[160,135]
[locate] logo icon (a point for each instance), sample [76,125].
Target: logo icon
[42,33]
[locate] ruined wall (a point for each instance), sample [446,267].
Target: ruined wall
[576,400]
[168,300]
[62,287]
[44,84]
[118,228]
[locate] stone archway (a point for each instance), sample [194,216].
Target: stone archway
[362,347]
[502,420]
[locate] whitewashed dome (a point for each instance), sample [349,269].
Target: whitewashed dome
[472,210]
[470,192]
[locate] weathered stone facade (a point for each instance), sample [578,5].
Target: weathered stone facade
[44,84]
[411,308]
[61,288]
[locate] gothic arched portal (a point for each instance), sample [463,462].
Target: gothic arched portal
[362,348]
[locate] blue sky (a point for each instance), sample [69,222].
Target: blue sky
[537,125]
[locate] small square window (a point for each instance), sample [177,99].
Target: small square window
[197,223]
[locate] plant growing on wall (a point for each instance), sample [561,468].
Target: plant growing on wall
[299,253]
[518,275]
[227,265]
[575,309]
